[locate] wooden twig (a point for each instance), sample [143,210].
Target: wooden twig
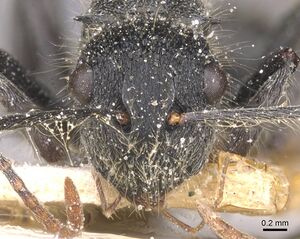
[267,185]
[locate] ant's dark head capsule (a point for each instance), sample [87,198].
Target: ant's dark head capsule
[147,69]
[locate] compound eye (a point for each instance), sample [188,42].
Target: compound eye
[81,83]
[215,82]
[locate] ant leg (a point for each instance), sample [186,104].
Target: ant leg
[224,168]
[15,74]
[21,94]
[181,224]
[42,215]
[107,209]
[267,87]
[221,228]
[74,208]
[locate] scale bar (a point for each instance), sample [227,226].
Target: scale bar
[275,229]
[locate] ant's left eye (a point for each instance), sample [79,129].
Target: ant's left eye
[81,83]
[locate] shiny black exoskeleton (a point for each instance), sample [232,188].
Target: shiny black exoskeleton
[147,63]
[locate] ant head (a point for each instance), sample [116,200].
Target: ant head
[145,76]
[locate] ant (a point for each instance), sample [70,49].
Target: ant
[145,105]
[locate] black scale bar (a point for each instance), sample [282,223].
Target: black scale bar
[275,229]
